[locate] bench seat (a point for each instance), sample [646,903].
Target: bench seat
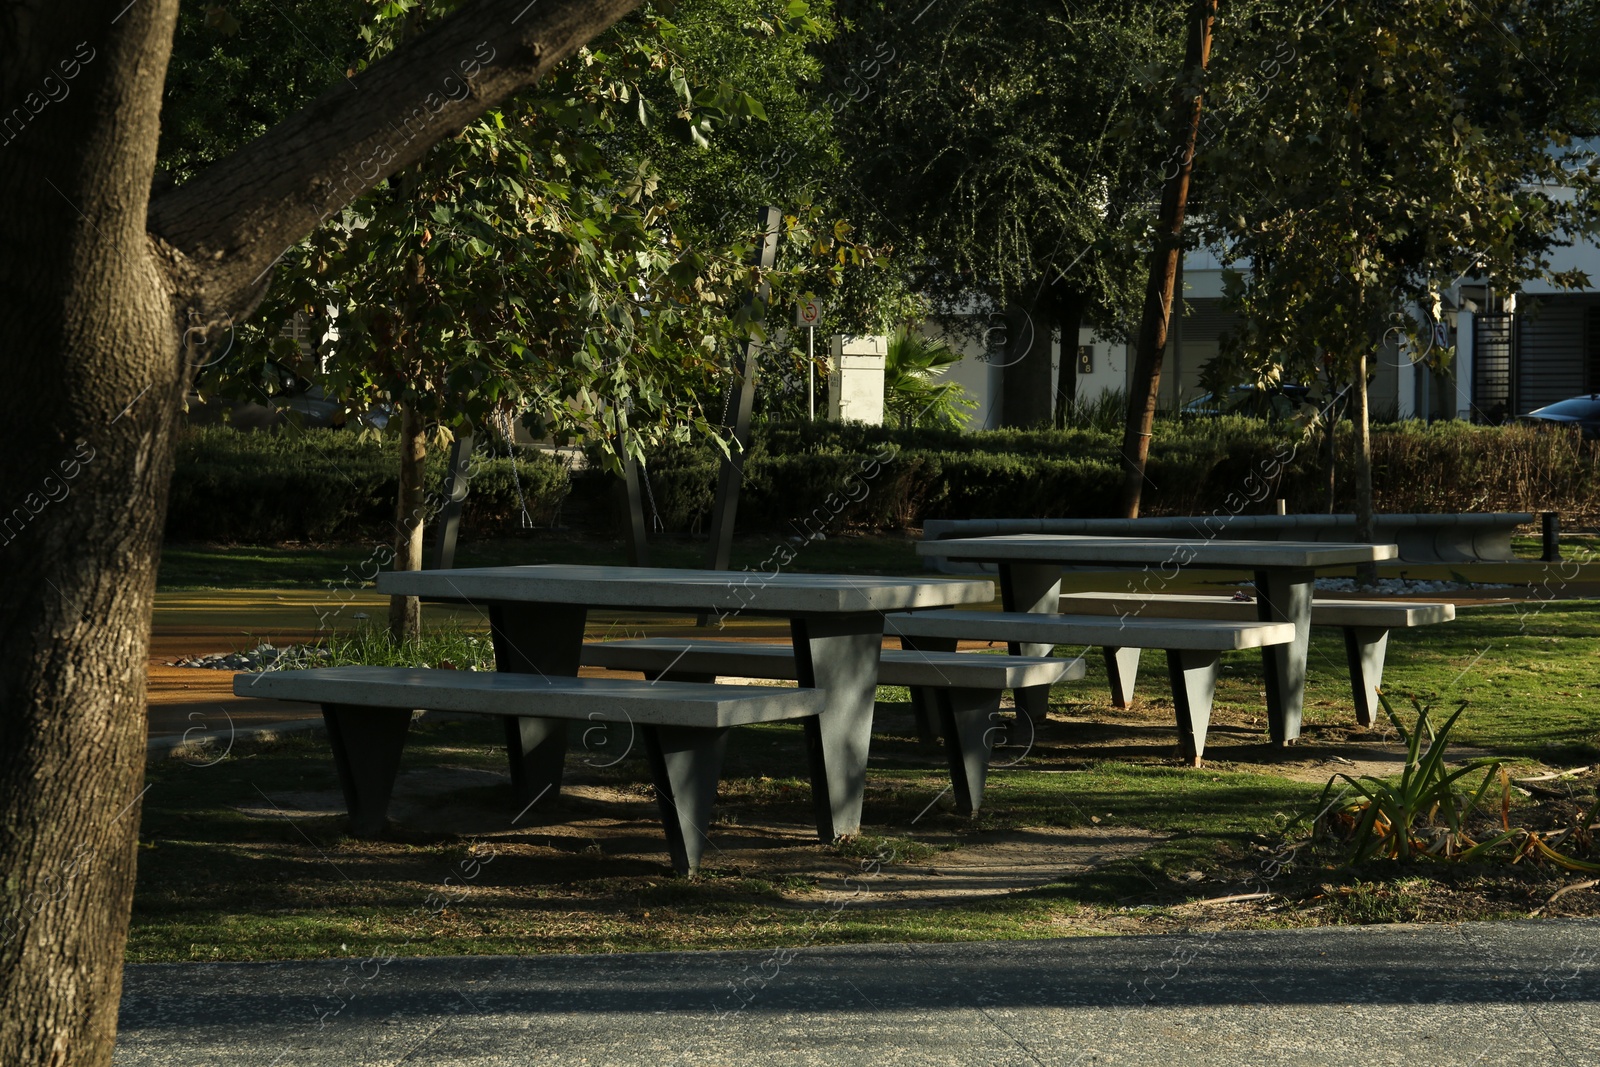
[1365,624]
[961,690]
[1193,647]
[683,726]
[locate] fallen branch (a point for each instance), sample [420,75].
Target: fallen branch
[1564,890]
[1238,898]
[1553,775]
[1526,786]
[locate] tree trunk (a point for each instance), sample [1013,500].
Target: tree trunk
[1026,399]
[1331,439]
[1069,308]
[405,612]
[1366,573]
[93,382]
[101,289]
[1144,393]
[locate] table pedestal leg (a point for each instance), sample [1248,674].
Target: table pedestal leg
[839,653]
[1284,595]
[537,639]
[1033,587]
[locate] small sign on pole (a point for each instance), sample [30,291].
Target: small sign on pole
[807,312]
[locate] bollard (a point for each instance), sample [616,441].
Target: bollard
[1283,506]
[1550,528]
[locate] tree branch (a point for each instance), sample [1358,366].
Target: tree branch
[233,221]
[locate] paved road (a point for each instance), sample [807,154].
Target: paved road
[1513,993]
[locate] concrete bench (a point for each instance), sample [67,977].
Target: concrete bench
[1365,624]
[1422,538]
[684,727]
[960,690]
[1193,647]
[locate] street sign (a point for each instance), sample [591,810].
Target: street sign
[807,312]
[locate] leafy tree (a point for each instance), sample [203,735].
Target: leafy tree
[537,260]
[121,292]
[1400,147]
[1005,147]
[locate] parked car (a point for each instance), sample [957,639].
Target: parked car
[1581,411]
[1272,403]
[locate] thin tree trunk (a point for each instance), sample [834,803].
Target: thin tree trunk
[1069,308]
[405,612]
[1027,397]
[1168,247]
[1331,438]
[1366,573]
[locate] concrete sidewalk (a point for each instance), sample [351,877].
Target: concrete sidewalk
[1509,993]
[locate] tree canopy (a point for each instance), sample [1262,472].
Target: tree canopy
[1012,151]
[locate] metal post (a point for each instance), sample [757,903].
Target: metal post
[732,473]
[811,372]
[1550,528]
[456,484]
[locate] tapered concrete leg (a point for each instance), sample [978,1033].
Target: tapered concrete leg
[1036,588]
[1284,595]
[839,653]
[970,720]
[686,764]
[1194,685]
[537,639]
[536,750]
[1364,649]
[924,706]
[1122,670]
[367,743]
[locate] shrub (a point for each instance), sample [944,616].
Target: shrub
[323,485]
[329,484]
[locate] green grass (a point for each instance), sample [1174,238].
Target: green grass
[222,877]
[218,879]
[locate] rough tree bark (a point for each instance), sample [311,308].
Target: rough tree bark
[106,297]
[1144,392]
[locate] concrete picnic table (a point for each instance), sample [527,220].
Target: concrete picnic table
[1285,575]
[537,615]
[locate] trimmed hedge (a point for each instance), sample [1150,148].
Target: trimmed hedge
[324,485]
[331,485]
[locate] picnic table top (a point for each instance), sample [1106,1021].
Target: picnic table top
[1085,548]
[674,589]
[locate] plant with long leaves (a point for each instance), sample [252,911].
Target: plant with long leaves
[1420,813]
